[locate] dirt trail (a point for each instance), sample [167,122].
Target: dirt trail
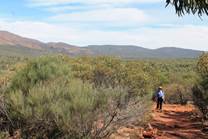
[178,122]
[174,122]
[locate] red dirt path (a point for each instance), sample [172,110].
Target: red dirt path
[178,122]
[174,122]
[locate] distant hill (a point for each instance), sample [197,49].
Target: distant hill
[7,38]
[177,52]
[15,45]
[65,48]
[129,51]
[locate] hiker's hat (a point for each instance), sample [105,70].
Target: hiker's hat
[160,87]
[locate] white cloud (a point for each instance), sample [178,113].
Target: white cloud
[62,9]
[61,2]
[39,30]
[188,36]
[114,16]
[96,13]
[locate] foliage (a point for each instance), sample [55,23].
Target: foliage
[202,67]
[201,99]
[88,97]
[178,94]
[68,108]
[182,7]
[137,80]
[39,70]
[200,91]
[47,98]
[177,77]
[7,62]
[113,72]
[4,135]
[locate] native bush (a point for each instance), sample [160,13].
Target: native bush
[200,97]
[200,91]
[202,67]
[177,93]
[81,70]
[137,81]
[4,135]
[86,97]
[45,99]
[177,76]
[107,71]
[64,108]
[40,70]
[113,72]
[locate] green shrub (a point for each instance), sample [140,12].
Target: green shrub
[4,135]
[87,97]
[64,108]
[137,82]
[40,70]
[113,72]
[202,67]
[177,93]
[200,91]
[200,97]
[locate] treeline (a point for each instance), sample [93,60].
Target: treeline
[86,97]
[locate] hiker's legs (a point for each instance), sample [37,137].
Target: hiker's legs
[158,103]
[161,103]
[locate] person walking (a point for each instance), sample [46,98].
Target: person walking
[160,98]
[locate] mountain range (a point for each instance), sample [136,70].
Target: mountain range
[15,45]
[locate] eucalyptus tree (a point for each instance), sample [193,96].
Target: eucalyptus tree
[182,7]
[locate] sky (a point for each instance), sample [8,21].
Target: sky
[145,23]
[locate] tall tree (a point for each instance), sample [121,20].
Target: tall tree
[182,7]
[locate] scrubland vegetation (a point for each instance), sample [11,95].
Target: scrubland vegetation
[200,90]
[87,97]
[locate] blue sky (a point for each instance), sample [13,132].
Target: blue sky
[144,23]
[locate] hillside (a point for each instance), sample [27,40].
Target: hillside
[15,45]
[65,48]
[7,38]
[129,51]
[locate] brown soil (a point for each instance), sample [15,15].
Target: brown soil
[174,122]
[178,122]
